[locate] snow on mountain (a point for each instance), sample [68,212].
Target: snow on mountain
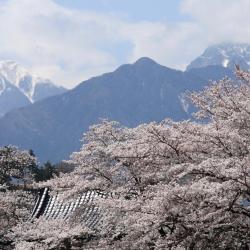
[27,83]
[2,85]
[227,55]
[18,87]
[10,97]
[184,102]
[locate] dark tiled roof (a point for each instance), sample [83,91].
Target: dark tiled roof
[51,207]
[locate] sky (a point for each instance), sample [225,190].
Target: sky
[69,41]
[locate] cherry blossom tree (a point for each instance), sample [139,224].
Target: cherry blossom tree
[15,163]
[50,234]
[171,185]
[179,184]
[15,204]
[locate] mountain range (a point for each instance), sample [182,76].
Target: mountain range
[134,93]
[19,88]
[226,54]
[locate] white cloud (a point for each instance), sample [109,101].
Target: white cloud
[221,20]
[69,45]
[55,42]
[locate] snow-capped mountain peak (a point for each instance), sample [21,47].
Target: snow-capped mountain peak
[12,71]
[21,78]
[18,87]
[226,54]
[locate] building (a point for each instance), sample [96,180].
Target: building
[50,207]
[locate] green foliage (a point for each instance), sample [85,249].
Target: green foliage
[64,167]
[45,172]
[48,170]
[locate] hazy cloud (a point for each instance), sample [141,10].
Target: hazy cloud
[69,45]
